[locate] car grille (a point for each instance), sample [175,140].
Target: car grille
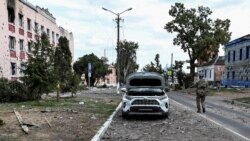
[145,102]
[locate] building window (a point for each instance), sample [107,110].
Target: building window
[205,74]
[20,16]
[36,27]
[233,75]
[53,37]
[42,29]
[11,15]
[210,74]
[234,55]
[241,54]
[228,56]
[21,44]
[29,46]
[48,33]
[29,24]
[12,41]
[13,68]
[247,52]
[22,68]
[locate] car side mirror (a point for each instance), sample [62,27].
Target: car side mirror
[124,90]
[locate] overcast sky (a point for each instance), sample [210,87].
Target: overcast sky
[95,31]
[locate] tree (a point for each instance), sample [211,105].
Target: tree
[197,34]
[39,70]
[179,73]
[63,59]
[154,67]
[98,70]
[128,58]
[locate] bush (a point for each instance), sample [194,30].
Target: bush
[188,81]
[13,91]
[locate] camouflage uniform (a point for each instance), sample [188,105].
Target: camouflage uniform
[201,92]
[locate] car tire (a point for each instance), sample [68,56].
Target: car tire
[165,115]
[125,115]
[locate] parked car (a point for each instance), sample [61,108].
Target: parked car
[145,93]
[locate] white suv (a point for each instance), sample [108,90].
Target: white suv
[145,94]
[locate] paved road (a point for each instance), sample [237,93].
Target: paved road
[231,118]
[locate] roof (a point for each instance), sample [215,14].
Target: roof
[240,40]
[220,60]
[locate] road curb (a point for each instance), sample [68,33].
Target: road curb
[105,126]
[204,116]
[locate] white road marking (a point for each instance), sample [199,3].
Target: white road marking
[204,116]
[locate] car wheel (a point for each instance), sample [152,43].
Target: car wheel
[165,115]
[125,115]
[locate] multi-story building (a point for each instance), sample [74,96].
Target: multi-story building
[237,63]
[20,24]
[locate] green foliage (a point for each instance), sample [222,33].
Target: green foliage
[12,91]
[39,73]
[127,59]
[188,80]
[74,83]
[154,67]
[99,68]
[179,73]
[63,68]
[197,34]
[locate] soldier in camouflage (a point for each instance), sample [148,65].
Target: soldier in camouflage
[201,92]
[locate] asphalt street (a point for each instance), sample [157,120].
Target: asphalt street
[224,117]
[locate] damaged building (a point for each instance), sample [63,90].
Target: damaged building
[237,63]
[20,24]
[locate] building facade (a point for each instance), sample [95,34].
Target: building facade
[20,24]
[213,70]
[110,79]
[237,63]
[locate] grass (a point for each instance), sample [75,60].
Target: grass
[91,105]
[243,100]
[228,91]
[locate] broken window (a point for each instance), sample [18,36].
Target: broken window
[22,68]
[29,46]
[29,24]
[11,10]
[13,68]
[53,37]
[20,17]
[48,33]
[42,29]
[21,44]
[12,41]
[36,27]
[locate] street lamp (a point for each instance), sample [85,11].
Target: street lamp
[117,20]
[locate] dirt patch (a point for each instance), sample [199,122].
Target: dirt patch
[70,118]
[182,124]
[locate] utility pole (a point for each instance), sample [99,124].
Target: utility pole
[172,72]
[118,44]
